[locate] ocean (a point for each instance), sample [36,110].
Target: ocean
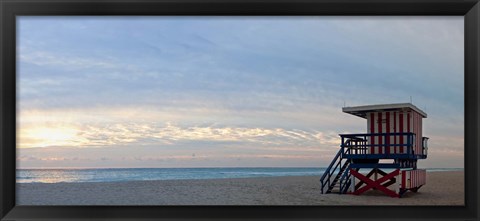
[140,174]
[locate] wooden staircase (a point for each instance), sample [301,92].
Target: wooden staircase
[336,178]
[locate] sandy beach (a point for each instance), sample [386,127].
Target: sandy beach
[443,188]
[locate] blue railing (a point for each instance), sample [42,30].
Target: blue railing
[345,181]
[325,180]
[361,145]
[338,175]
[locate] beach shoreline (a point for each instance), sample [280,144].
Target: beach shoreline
[442,188]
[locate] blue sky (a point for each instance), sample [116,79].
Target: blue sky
[228,91]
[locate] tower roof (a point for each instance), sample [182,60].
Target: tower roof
[361,111]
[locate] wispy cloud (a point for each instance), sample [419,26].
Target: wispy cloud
[135,134]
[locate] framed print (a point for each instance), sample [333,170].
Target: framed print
[239,110]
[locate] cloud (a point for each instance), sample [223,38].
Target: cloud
[135,134]
[44,58]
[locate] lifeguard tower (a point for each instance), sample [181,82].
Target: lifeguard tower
[393,143]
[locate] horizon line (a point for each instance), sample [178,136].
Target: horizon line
[93,168]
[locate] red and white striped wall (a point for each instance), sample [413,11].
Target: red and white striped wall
[394,122]
[413,178]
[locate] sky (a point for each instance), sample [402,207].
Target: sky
[110,92]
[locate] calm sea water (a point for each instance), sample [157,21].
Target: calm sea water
[136,174]
[130,174]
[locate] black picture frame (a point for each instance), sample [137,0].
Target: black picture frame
[9,9]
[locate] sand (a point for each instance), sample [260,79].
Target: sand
[443,188]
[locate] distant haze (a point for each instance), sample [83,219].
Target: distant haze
[228,91]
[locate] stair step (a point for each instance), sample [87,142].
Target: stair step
[342,170]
